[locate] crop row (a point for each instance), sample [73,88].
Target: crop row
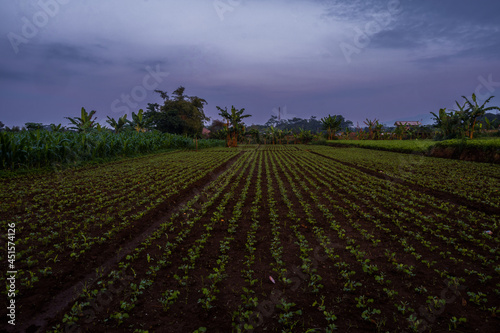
[367,267]
[477,182]
[290,240]
[63,216]
[40,148]
[205,212]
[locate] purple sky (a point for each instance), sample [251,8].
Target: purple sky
[388,59]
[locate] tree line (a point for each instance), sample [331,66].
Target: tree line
[184,115]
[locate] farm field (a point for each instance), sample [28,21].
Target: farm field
[408,146]
[258,238]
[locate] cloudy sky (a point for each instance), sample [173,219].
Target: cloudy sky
[385,59]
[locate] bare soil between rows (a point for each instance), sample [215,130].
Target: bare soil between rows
[188,315]
[446,196]
[51,295]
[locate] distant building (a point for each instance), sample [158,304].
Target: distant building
[205,132]
[407,123]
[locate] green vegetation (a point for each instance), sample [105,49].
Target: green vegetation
[484,144]
[331,125]
[403,146]
[84,123]
[234,127]
[40,148]
[286,238]
[487,145]
[462,122]
[469,180]
[180,114]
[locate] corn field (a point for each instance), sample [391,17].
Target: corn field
[40,148]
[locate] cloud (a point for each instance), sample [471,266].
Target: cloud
[261,55]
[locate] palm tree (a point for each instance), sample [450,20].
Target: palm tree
[332,125]
[117,125]
[85,122]
[234,124]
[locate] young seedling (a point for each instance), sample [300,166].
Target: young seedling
[454,322]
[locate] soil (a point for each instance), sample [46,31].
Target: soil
[54,296]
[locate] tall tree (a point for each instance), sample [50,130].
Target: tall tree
[33,126]
[180,114]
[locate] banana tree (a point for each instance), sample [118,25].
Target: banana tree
[138,122]
[288,135]
[234,124]
[305,136]
[255,134]
[449,124]
[371,126]
[490,124]
[476,111]
[400,131]
[117,125]
[347,133]
[56,128]
[272,134]
[84,123]
[377,131]
[331,125]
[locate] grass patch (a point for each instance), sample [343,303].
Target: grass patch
[482,144]
[403,146]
